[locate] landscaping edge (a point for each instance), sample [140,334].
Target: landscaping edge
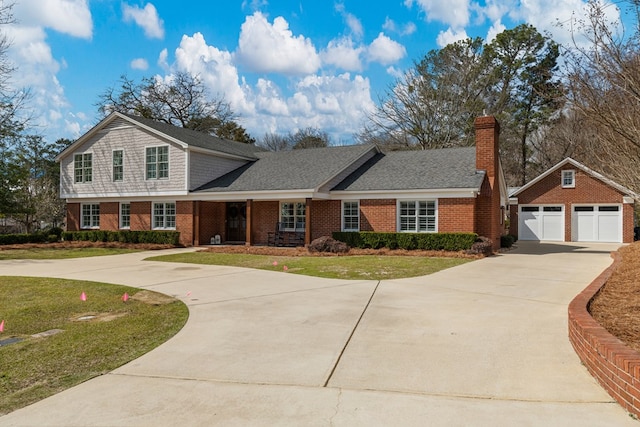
[614,365]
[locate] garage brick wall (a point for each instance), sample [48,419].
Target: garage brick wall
[109,216]
[588,190]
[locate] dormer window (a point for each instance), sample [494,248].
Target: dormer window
[568,179]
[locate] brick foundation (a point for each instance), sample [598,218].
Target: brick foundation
[614,365]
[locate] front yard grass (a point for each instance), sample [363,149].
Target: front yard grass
[60,253]
[35,368]
[357,267]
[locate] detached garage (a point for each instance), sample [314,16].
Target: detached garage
[571,202]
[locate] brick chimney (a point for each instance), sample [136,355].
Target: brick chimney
[488,213]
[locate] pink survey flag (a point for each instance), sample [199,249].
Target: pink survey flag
[285,268]
[275,263]
[125,297]
[188,293]
[2,326]
[83,297]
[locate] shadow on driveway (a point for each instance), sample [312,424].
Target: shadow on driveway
[546,248]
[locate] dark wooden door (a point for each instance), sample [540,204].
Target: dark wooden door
[236,221]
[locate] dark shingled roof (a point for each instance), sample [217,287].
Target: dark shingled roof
[415,170]
[289,170]
[200,139]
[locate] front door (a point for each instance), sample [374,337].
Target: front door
[236,221]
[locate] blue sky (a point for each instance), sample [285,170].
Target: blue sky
[282,65]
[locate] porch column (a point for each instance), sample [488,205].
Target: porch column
[307,222]
[248,218]
[196,223]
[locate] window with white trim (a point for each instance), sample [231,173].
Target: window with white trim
[90,216]
[157,162]
[293,216]
[164,215]
[417,216]
[118,165]
[568,179]
[125,215]
[83,167]
[351,216]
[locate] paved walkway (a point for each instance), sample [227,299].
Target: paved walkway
[482,344]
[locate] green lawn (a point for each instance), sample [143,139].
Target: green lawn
[60,253]
[334,267]
[39,367]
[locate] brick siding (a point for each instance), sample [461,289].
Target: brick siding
[378,215]
[73,216]
[326,217]
[140,216]
[212,221]
[185,211]
[588,190]
[265,217]
[614,365]
[109,216]
[456,215]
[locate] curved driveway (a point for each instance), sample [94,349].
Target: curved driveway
[482,344]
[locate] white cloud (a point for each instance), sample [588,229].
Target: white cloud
[453,12]
[215,67]
[343,54]
[351,20]
[147,18]
[404,30]
[263,47]
[71,17]
[139,64]
[385,51]
[162,59]
[450,36]
[494,30]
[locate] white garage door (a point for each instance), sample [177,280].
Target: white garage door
[597,223]
[541,222]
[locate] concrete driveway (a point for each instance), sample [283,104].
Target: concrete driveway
[482,344]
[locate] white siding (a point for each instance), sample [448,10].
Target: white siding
[132,141]
[204,168]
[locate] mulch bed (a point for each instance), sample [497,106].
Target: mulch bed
[617,306]
[301,251]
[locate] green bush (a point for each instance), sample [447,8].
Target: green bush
[17,239]
[408,241]
[125,236]
[507,241]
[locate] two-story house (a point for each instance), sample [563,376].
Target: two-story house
[138,174]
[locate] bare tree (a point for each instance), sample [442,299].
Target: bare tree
[180,100]
[604,86]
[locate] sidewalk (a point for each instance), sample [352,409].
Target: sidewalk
[482,344]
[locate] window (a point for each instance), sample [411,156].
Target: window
[583,209]
[418,216]
[608,208]
[125,215]
[552,209]
[530,208]
[157,162]
[91,216]
[164,215]
[350,216]
[118,165]
[292,216]
[568,179]
[82,165]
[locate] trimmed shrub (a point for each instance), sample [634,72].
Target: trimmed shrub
[507,240]
[408,241]
[125,236]
[328,244]
[17,239]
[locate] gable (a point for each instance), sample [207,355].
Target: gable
[589,187]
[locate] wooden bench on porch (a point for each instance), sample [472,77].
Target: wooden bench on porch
[282,237]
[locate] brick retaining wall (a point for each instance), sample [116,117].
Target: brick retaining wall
[614,365]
